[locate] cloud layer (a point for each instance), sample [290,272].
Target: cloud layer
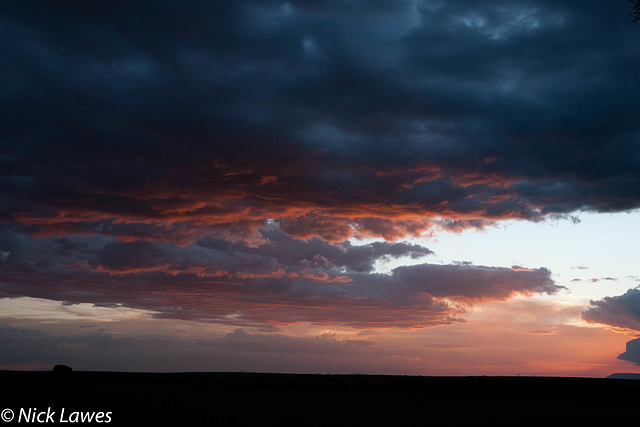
[283,281]
[144,119]
[210,160]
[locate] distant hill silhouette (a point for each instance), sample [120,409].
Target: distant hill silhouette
[624,376]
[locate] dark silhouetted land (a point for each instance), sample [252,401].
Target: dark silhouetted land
[250,399]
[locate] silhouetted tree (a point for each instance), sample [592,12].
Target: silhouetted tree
[635,15]
[62,370]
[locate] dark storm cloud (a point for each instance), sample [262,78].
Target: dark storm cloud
[145,145]
[336,118]
[621,311]
[282,281]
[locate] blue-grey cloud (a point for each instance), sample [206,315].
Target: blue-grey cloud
[326,115]
[281,281]
[621,311]
[632,352]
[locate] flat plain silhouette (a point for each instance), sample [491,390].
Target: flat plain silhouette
[255,399]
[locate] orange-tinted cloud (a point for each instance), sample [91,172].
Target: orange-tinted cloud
[282,281]
[236,196]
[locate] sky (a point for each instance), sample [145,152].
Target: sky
[344,186]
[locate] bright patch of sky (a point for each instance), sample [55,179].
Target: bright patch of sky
[48,310]
[593,258]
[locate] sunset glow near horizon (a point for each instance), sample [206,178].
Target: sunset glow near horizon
[321,187]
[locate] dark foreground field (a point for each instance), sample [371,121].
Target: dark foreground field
[246,399]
